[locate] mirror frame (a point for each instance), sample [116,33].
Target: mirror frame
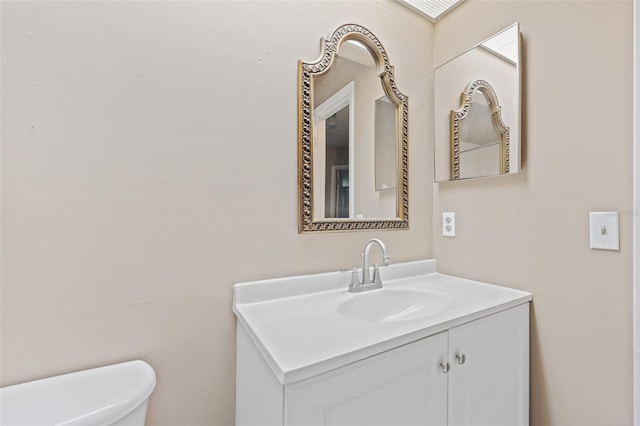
[457,115]
[306,70]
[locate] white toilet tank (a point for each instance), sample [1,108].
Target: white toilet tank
[115,395]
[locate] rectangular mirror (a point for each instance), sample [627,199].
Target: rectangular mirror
[477,110]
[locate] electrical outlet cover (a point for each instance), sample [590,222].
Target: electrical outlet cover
[448,224]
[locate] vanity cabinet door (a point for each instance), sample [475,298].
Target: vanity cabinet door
[403,386]
[489,376]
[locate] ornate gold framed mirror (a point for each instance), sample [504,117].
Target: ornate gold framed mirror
[479,137]
[352,137]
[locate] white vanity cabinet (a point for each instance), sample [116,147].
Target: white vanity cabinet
[473,374]
[403,386]
[489,373]
[300,361]
[486,381]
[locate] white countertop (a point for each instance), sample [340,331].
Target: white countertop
[295,323]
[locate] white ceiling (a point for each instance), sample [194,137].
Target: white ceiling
[433,10]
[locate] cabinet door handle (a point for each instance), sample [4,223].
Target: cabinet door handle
[461,358]
[445,367]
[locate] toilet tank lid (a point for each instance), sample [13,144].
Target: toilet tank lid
[99,396]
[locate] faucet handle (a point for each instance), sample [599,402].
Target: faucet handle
[355,277]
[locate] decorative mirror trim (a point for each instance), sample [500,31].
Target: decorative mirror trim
[458,115]
[305,125]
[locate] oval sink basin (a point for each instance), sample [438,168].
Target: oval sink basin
[389,305]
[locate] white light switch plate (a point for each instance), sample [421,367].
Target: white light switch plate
[448,224]
[604,230]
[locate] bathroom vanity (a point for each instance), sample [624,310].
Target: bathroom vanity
[426,349]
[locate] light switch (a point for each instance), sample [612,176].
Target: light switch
[448,224]
[604,230]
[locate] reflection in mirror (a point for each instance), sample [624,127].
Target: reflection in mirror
[479,137]
[352,137]
[386,140]
[483,148]
[479,141]
[345,153]
[333,151]
[337,200]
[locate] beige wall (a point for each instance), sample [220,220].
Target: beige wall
[531,231]
[149,161]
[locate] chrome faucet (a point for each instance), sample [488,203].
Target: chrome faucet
[367,283]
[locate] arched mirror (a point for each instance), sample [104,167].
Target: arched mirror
[353,142]
[479,137]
